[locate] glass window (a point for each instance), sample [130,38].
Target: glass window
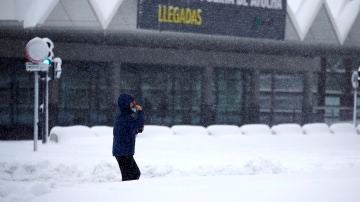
[265,82]
[229,95]
[5,115]
[289,82]
[332,111]
[335,82]
[169,94]
[85,98]
[315,83]
[287,118]
[265,102]
[5,73]
[66,117]
[335,63]
[25,98]
[25,80]
[281,97]
[288,102]
[25,117]
[5,100]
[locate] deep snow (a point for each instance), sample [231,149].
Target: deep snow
[286,162]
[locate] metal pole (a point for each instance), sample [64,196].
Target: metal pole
[46,107]
[42,106]
[36,109]
[355,105]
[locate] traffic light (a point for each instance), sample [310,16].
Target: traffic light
[47,61]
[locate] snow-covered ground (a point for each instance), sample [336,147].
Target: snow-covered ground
[287,162]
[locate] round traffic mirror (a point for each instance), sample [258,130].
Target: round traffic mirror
[37,49]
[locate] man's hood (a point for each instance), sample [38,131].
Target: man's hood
[124,101]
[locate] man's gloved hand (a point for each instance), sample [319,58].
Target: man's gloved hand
[140,130]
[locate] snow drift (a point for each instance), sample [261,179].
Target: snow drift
[222,154]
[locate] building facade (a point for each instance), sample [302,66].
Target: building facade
[180,77]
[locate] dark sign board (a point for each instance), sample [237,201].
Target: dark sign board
[245,18]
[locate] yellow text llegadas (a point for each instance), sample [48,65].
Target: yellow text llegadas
[179,15]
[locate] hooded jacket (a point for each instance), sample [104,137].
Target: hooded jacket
[126,127]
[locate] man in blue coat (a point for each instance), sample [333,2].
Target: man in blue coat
[129,122]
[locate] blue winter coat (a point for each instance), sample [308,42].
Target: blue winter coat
[126,127]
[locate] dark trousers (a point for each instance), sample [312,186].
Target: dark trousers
[128,167]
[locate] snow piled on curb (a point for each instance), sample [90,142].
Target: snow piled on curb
[65,134]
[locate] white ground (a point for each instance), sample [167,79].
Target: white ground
[185,163]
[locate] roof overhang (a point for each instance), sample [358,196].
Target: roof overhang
[184,41]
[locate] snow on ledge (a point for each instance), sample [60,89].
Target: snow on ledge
[189,130]
[155,131]
[75,134]
[223,130]
[70,134]
[316,129]
[102,130]
[255,129]
[287,129]
[343,129]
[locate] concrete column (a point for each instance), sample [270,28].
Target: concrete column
[253,104]
[308,97]
[272,99]
[320,114]
[115,69]
[346,99]
[93,94]
[322,82]
[207,96]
